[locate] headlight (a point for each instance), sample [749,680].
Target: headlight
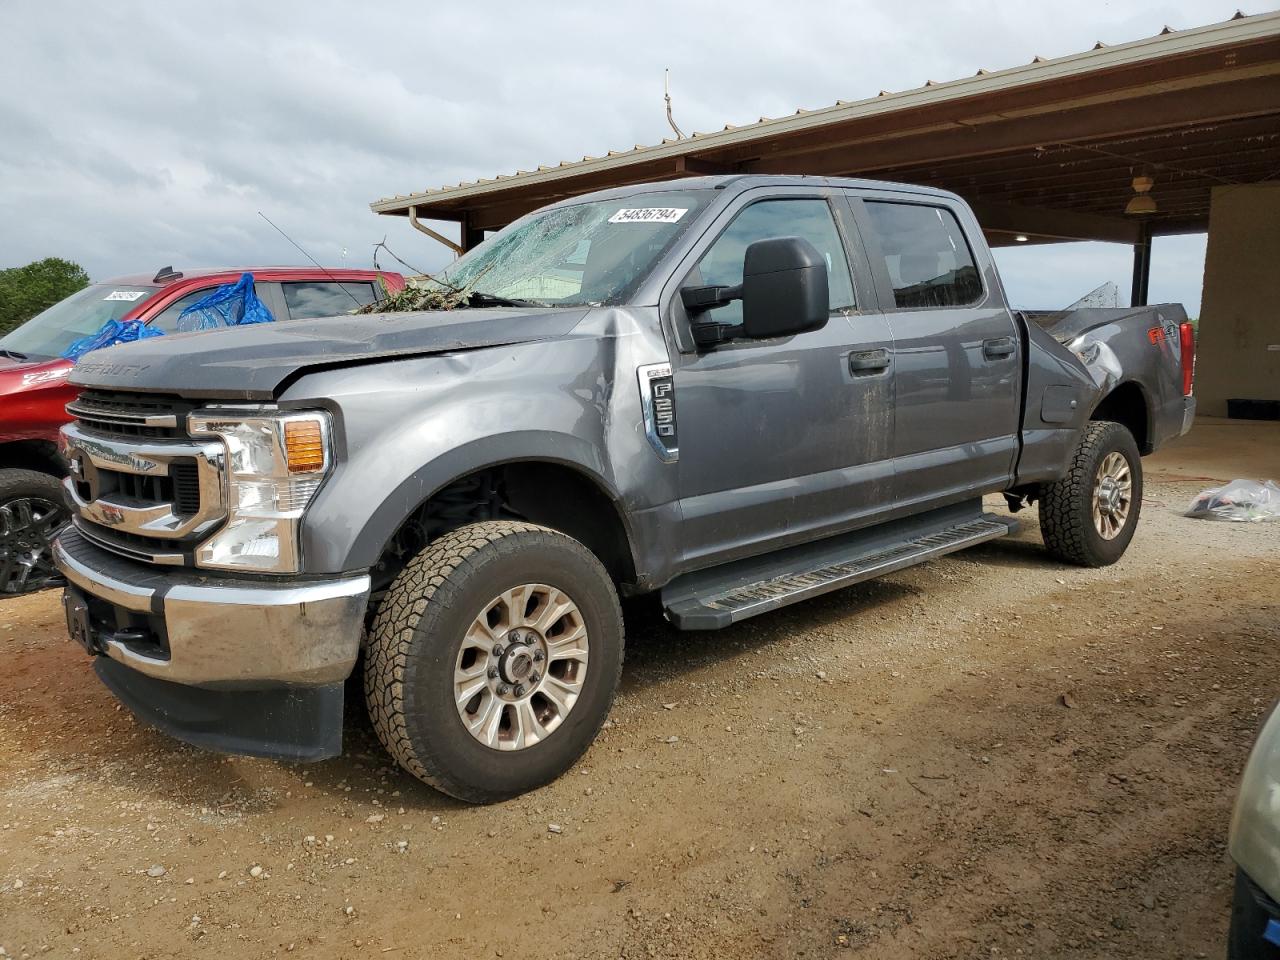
[1255,826]
[275,463]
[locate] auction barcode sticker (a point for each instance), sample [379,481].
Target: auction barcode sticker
[129,295]
[648,214]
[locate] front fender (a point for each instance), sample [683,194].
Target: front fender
[409,427]
[367,543]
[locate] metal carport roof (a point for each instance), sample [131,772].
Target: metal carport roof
[1048,149]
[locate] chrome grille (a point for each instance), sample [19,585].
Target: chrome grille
[131,415]
[139,485]
[186,487]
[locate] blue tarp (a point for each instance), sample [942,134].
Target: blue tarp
[231,305]
[111,333]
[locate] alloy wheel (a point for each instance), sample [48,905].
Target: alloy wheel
[521,666]
[1112,495]
[27,528]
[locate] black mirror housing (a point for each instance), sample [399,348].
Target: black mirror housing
[698,299]
[784,288]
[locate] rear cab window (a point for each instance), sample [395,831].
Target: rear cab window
[925,254]
[326,298]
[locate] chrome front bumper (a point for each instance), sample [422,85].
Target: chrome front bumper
[219,630]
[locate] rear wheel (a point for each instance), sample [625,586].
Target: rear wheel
[31,511]
[1089,516]
[493,659]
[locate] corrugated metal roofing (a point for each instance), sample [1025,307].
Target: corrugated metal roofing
[1239,28]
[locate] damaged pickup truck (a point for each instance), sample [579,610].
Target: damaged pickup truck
[733,392]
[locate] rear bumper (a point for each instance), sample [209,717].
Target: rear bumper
[185,628]
[1188,414]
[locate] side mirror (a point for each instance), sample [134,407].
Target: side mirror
[784,288]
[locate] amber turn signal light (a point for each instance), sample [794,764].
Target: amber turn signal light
[304,446]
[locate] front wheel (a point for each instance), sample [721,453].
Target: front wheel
[1089,516]
[31,511]
[494,659]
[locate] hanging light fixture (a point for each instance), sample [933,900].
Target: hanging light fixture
[1141,203]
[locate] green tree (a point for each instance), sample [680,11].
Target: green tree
[25,291]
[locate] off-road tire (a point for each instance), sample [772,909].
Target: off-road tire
[1066,505]
[414,643]
[21,485]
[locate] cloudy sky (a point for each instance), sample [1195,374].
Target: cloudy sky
[133,135]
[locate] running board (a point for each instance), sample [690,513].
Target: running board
[715,598]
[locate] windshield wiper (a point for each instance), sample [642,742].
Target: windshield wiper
[13,354]
[493,300]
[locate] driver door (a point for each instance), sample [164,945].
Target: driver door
[782,440]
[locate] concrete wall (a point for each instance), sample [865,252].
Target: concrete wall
[1239,350]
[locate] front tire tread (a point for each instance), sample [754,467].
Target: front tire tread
[432,577]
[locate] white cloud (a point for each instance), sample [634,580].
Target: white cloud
[137,135]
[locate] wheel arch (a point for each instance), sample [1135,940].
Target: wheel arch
[1128,405]
[39,455]
[562,493]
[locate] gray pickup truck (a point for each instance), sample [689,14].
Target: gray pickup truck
[735,392]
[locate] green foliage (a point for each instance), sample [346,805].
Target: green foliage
[416,295]
[25,291]
[423,293]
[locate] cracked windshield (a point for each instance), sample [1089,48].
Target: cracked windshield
[585,254]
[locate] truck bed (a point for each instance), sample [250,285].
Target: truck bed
[1066,325]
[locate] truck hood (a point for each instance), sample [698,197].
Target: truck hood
[254,362]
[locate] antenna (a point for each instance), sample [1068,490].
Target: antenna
[313,260]
[666,90]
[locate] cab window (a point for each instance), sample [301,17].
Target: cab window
[925,254]
[809,219]
[167,319]
[326,298]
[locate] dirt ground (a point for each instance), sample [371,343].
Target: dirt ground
[990,755]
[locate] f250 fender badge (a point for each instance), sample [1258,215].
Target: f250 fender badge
[658,405]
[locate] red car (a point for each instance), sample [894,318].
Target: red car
[34,388]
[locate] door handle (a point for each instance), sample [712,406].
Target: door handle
[868,361]
[995,349]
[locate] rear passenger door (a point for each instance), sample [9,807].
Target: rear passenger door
[305,299]
[957,360]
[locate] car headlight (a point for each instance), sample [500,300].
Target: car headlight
[275,462]
[1255,825]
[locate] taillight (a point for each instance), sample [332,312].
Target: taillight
[1187,338]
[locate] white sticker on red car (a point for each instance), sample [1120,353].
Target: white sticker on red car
[649,215]
[44,376]
[129,295]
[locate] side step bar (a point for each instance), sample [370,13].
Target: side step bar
[715,598]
